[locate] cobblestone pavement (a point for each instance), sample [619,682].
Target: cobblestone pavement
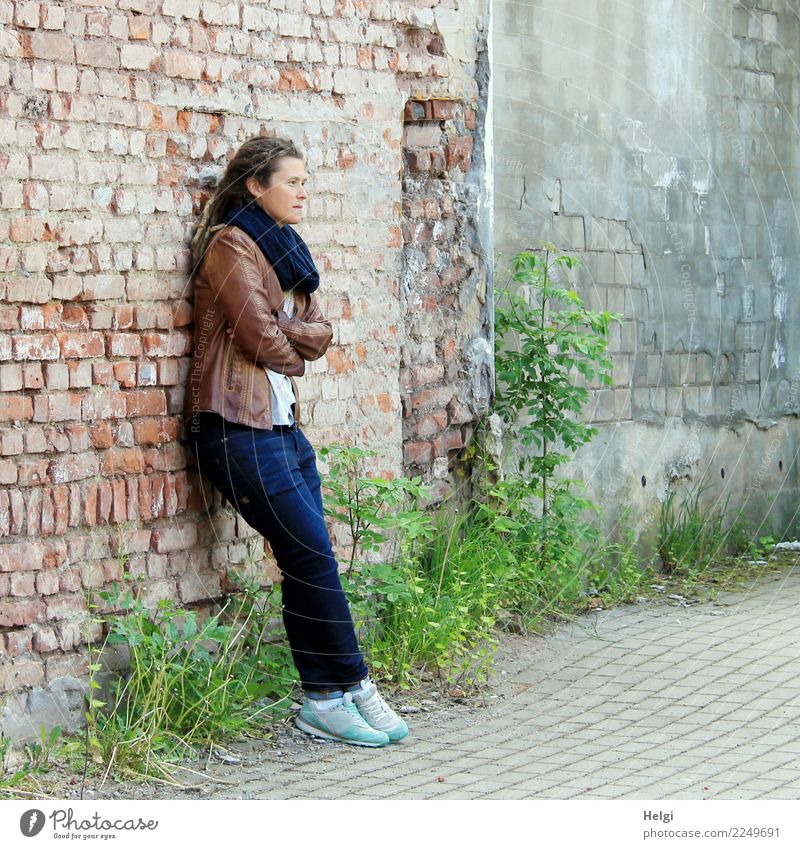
[649,701]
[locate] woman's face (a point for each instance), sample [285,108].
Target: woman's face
[285,196]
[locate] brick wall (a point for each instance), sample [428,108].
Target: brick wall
[116,117]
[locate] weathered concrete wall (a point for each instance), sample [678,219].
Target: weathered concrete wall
[658,141]
[116,116]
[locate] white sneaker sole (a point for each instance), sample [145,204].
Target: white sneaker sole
[318,732]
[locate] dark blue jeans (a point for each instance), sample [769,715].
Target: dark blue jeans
[270,477]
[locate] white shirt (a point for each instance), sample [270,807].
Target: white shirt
[281,389]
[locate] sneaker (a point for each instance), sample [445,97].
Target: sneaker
[377,713]
[342,722]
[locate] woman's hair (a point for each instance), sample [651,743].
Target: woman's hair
[257,157]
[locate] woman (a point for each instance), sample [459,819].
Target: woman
[257,322]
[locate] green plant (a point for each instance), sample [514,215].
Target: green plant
[40,755]
[192,682]
[616,574]
[689,535]
[39,752]
[539,348]
[374,509]
[546,337]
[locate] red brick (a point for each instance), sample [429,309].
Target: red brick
[19,642]
[61,508]
[104,404]
[74,467]
[101,435]
[75,505]
[33,512]
[183,314]
[339,360]
[57,441]
[169,372]
[443,110]
[32,377]
[146,402]
[70,635]
[102,374]
[48,516]
[143,498]
[22,583]
[184,65]
[74,317]
[124,345]
[47,582]
[28,673]
[418,160]
[168,457]
[31,318]
[90,504]
[105,495]
[121,461]
[155,431]
[178,537]
[35,440]
[32,472]
[118,503]
[125,374]
[78,435]
[432,425]
[17,510]
[414,111]
[13,613]
[8,472]
[165,344]
[9,318]
[181,491]
[45,640]
[5,520]
[453,440]
[16,408]
[417,453]
[11,441]
[82,344]
[132,498]
[123,317]
[56,407]
[145,317]
[139,28]
[42,346]
[65,607]
[458,152]
[170,496]
[67,666]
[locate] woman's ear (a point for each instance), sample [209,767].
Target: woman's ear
[254,187]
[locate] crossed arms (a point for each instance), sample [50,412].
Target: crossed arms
[271,338]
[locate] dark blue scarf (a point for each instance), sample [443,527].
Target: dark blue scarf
[286,252]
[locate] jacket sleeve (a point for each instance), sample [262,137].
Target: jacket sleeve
[235,279]
[309,335]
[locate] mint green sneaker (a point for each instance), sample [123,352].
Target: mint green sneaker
[376,712]
[341,722]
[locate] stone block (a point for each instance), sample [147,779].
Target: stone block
[570,232]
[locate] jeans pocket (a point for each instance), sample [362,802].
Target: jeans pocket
[260,466]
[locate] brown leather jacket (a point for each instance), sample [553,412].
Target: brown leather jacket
[237,290]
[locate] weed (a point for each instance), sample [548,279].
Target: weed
[690,537]
[191,682]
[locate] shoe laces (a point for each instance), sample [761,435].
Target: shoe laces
[376,706]
[350,706]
